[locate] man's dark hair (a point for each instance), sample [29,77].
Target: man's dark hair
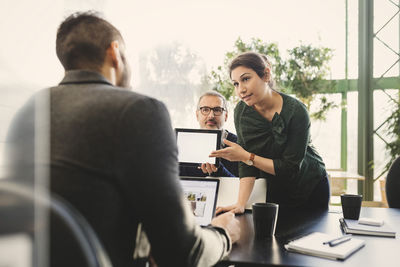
[82,40]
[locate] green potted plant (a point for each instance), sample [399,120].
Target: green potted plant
[302,74]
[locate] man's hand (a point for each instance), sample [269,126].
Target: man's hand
[208,168]
[229,223]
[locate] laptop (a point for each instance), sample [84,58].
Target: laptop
[228,190]
[202,194]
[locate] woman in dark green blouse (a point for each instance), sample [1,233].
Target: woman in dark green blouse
[273,132]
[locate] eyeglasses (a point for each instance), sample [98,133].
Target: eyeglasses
[206,110]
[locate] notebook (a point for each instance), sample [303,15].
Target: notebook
[353,227]
[312,244]
[195,146]
[202,194]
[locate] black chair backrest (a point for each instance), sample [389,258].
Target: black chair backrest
[72,240]
[393,185]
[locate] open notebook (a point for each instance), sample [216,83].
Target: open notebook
[313,244]
[353,227]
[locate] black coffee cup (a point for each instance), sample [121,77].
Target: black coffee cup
[264,219]
[351,206]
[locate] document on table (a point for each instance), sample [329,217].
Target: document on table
[353,227]
[313,244]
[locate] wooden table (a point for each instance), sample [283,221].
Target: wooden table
[345,175]
[338,179]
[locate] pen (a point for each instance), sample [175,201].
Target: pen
[337,241]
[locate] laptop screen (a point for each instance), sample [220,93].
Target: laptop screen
[202,196]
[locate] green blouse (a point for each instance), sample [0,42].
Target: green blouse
[285,140]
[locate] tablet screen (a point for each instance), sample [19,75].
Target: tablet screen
[195,145]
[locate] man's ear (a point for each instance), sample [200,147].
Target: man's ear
[226,116]
[113,52]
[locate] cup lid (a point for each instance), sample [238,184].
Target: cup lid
[265,204]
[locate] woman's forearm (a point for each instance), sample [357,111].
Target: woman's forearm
[237,153]
[245,189]
[264,164]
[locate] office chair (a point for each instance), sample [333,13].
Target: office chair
[73,242]
[393,185]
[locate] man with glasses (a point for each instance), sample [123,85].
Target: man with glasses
[212,114]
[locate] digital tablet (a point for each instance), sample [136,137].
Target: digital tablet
[195,146]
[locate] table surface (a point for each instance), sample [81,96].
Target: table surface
[378,251]
[345,175]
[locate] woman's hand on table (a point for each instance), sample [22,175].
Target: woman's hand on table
[235,208]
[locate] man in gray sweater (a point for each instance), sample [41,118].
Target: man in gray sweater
[113,155]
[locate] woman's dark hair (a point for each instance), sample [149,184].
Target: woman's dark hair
[82,40]
[254,61]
